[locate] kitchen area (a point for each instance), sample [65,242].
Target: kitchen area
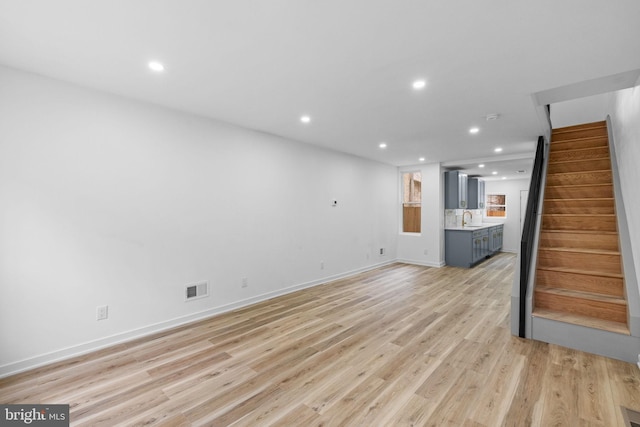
[437,219]
[469,240]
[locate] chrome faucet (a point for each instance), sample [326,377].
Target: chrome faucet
[470,217]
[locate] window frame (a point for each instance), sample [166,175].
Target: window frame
[489,205]
[404,204]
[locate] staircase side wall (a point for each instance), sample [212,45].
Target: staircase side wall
[596,341]
[630,277]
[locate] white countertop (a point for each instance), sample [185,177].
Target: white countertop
[475,227]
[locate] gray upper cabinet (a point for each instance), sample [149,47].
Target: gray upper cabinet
[481,194]
[455,190]
[476,193]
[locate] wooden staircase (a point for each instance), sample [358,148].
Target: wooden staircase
[579,276]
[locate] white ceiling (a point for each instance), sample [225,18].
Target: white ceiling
[349,64]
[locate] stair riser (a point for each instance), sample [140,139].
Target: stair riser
[586,222]
[580,166]
[580,282]
[567,210]
[586,307]
[580,178]
[598,124]
[579,192]
[604,263]
[568,239]
[580,133]
[584,204]
[586,154]
[577,144]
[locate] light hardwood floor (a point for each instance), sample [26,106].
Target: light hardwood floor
[399,345]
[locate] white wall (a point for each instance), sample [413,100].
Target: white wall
[412,246]
[511,188]
[625,120]
[588,109]
[105,200]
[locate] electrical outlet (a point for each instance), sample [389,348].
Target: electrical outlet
[245,282]
[102,312]
[381,251]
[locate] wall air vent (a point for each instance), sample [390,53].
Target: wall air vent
[196,290]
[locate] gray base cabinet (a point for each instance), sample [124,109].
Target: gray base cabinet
[467,247]
[495,238]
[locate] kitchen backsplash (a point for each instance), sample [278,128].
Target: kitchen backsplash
[453,217]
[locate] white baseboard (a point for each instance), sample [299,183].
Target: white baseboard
[94,345]
[422,263]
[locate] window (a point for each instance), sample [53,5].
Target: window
[497,205]
[411,201]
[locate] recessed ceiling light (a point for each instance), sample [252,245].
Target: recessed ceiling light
[494,173]
[305,119]
[474,130]
[156,66]
[497,150]
[419,84]
[491,117]
[422,159]
[481,166]
[383,145]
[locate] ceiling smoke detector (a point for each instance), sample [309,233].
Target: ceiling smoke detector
[491,117]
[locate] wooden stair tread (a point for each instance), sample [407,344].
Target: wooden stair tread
[582,131]
[597,138]
[579,172]
[582,271]
[593,296]
[580,250]
[561,162]
[559,152]
[578,134]
[572,215]
[582,185]
[590,232]
[577,319]
[557,145]
[577,208]
[580,282]
[590,177]
[561,147]
[583,126]
[582,199]
[579,221]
